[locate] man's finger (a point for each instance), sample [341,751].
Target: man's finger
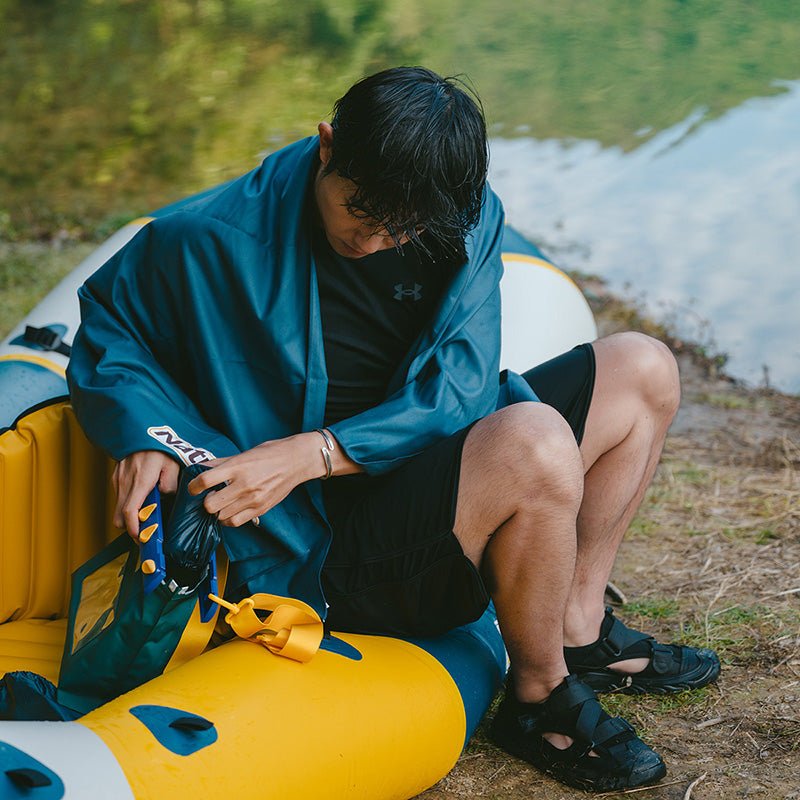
[210,477]
[133,504]
[117,520]
[233,518]
[125,487]
[168,480]
[218,500]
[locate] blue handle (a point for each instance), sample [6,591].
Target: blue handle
[153,549]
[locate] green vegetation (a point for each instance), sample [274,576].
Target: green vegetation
[730,401]
[742,634]
[653,607]
[28,271]
[637,707]
[117,106]
[642,527]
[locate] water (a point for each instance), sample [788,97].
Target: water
[702,222]
[653,143]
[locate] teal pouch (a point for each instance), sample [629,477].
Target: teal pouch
[118,637]
[138,610]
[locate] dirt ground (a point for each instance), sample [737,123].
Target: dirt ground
[712,559]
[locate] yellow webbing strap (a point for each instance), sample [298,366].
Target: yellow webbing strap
[196,634]
[292,630]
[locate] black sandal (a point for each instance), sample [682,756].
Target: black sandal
[672,667]
[620,760]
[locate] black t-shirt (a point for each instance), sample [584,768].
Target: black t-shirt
[373,309]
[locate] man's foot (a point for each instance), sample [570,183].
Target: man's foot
[671,668]
[605,754]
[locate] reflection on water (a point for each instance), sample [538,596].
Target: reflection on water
[705,215]
[113,107]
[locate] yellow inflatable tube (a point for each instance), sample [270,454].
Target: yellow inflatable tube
[367,717]
[389,725]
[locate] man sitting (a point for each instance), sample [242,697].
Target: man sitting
[328,326]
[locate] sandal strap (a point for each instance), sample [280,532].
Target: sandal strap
[569,695]
[620,637]
[573,710]
[668,659]
[588,722]
[617,642]
[605,753]
[614,730]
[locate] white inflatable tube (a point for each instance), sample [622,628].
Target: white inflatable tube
[544,313]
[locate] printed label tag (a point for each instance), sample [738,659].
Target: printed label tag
[187,452]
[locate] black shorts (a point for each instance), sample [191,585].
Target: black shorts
[395,566]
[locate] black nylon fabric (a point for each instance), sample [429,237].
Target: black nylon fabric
[192,534]
[566,382]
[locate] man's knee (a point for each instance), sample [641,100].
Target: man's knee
[540,455]
[653,370]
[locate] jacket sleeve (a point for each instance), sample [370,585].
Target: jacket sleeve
[124,373]
[457,384]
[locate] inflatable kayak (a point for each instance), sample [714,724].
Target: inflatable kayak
[367,717]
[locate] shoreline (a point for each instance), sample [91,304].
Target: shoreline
[616,312]
[30,268]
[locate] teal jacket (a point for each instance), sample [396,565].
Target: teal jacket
[203,334]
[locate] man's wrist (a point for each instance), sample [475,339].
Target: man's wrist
[314,460]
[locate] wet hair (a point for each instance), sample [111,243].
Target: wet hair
[414,145]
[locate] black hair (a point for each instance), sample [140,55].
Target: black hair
[414,144]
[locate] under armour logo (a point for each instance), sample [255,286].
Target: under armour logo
[401,292]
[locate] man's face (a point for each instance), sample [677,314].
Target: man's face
[348,235]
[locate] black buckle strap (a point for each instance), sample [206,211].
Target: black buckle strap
[615,641]
[613,732]
[571,709]
[46,339]
[665,660]
[620,637]
[568,695]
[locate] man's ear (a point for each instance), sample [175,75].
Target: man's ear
[325,143]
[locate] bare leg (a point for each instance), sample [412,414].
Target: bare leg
[521,532]
[547,559]
[637,392]
[546,549]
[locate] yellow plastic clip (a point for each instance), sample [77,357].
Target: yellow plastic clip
[146,533]
[148,566]
[293,629]
[144,513]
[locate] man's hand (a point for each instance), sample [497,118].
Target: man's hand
[260,478]
[133,479]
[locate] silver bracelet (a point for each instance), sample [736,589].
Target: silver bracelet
[326,454]
[326,451]
[327,437]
